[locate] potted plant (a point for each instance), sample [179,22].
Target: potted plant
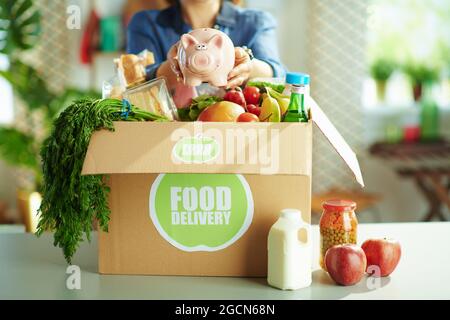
[420,73]
[20,144]
[381,70]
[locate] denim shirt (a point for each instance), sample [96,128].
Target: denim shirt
[157,31]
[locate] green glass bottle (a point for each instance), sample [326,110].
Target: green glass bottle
[429,117]
[297,111]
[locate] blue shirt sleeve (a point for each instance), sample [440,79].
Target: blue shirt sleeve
[138,40]
[264,43]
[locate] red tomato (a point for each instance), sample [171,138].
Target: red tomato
[236,96]
[247,117]
[252,95]
[254,109]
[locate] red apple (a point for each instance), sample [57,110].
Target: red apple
[247,117]
[384,253]
[236,96]
[254,109]
[252,95]
[346,264]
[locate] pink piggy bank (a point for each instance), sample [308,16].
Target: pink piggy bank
[206,55]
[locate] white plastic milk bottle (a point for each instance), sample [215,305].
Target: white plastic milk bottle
[290,252]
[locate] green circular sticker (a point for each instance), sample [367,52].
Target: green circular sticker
[196,149]
[201,212]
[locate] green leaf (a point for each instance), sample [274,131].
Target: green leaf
[194,114]
[28,85]
[23,6]
[382,69]
[19,25]
[18,149]
[263,84]
[183,114]
[198,104]
[421,73]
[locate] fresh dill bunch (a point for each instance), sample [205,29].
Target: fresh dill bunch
[72,202]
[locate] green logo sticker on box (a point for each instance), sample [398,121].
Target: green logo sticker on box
[201,212]
[197,149]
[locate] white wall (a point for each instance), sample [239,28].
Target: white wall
[292,17]
[102,69]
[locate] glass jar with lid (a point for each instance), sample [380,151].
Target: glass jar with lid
[338,225]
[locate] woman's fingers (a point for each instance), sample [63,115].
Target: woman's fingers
[174,66]
[236,82]
[240,56]
[239,70]
[173,61]
[239,75]
[242,69]
[238,79]
[173,52]
[175,69]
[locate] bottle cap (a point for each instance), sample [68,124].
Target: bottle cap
[291,214]
[339,205]
[297,78]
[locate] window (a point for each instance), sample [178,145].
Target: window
[6,95]
[411,39]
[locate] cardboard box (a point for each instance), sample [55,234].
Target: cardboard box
[199,199]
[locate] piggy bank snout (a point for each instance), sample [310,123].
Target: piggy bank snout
[201,62]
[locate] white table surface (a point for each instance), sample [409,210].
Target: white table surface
[32,268]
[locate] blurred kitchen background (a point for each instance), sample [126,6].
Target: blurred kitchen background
[380,70]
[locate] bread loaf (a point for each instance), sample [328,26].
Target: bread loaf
[131,68]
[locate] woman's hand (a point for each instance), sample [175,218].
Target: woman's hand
[172,58]
[242,69]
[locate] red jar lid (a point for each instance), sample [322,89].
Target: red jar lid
[339,205]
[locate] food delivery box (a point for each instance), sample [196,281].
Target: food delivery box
[199,199]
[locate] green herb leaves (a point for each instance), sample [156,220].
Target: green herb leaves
[198,104]
[72,202]
[262,85]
